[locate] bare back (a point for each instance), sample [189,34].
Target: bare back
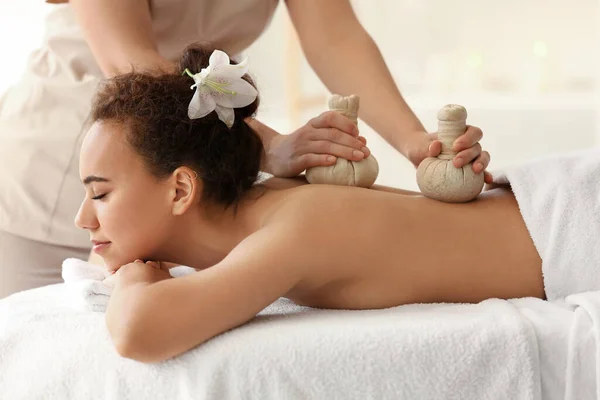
[365,248]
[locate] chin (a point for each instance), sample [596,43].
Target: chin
[113,267]
[115,260]
[114,263]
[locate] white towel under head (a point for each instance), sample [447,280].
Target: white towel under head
[89,284]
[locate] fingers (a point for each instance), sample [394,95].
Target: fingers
[469,150]
[435,148]
[466,156]
[153,264]
[481,162]
[324,153]
[312,160]
[334,136]
[337,128]
[487,177]
[158,265]
[163,266]
[337,150]
[325,138]
[468,139]
[333,119]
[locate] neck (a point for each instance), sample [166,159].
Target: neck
[205,235]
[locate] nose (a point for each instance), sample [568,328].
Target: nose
[86,216]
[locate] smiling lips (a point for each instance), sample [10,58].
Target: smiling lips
[99,245]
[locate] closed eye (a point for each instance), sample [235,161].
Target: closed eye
[100,196]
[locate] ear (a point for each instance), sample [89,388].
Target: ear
[186,189]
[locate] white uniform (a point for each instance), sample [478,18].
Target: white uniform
[42,118]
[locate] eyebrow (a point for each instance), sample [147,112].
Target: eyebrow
[93,178]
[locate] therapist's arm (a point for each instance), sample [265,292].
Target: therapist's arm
[119,33]
[348,61]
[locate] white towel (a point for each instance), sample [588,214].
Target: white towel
[84,284]
[89,286]
[566,355]
[559,199]
[434,351]
[74,269]
[582,374]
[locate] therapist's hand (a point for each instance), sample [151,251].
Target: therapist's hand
[466,146]
[318,143]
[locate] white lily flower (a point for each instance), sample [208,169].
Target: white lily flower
[220,87]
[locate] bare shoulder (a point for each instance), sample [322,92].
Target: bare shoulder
[255,274]
[263,262]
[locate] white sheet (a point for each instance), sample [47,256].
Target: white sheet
[50,349]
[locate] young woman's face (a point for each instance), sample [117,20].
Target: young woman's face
[126,210]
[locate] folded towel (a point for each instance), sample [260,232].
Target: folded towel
[74,269]
[559,199]
[89,295]
[84,284]
[89,286]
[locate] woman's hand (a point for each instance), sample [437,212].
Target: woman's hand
[318,143]
[466,146]
[141,272]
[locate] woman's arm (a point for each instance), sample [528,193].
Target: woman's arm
[119,32]
[348,62]
[266,134]
[157,321]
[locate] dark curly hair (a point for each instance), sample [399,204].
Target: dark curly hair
[155,110]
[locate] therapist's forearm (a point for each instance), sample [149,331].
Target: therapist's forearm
[119,33]
[266,135]
[354,65]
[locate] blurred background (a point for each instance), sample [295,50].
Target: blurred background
[526,70]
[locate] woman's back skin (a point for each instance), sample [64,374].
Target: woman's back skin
[383,247]
[363,249]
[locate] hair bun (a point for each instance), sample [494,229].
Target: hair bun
[248,111]
[196,57]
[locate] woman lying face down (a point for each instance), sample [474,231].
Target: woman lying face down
[163,186]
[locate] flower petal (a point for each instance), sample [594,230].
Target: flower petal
[218,57]
[229,71]
[245,94]
[226,115]
[201,104]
